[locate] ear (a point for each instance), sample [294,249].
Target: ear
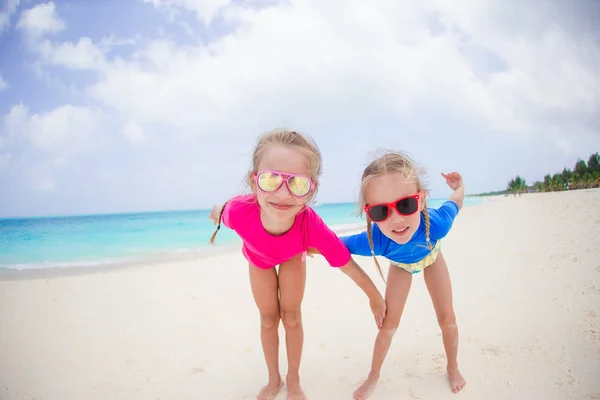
[251,182]
[422,200]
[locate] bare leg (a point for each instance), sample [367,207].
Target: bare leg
[264,289]
[438,283]
[396,293]
[292,279]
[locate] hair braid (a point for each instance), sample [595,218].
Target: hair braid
[370,236]
[427,225]
[212,238]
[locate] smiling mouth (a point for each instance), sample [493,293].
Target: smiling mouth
[281,207]
[400,232]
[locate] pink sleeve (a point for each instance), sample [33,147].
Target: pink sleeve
[226,215]
[321,237]
[234,210]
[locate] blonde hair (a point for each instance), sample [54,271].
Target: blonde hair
[392,162]
[290,139]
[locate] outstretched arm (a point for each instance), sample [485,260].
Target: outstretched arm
[362,280]
[214,214]
[455,182]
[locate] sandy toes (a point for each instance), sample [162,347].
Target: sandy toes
[457,382]
[269,392]
[365,390]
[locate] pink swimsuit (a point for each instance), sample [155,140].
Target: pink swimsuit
[242,214]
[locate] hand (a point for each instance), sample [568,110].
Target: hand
[214,214]
[379,309]
[453,179]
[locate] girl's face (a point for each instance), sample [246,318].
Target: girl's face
[389,188]
[281,205]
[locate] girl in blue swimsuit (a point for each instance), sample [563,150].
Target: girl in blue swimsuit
[402,229]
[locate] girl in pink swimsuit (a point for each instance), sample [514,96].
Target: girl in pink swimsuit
[277,226]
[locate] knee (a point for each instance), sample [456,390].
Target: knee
[269,321]
[291,318]
[447,321]
[389,327]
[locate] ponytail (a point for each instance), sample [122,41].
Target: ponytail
[370,236]
[425,214]
[212,238]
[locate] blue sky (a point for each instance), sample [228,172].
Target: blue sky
[155,104]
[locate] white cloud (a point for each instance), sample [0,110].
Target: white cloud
[66,129]
[457,84]
[6,13]
[40,20]
[134,132]
[205,10]
[3,84]
[371,58]
[83,55]
[14,119]
[43,20]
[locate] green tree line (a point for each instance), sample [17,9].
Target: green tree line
[583,175]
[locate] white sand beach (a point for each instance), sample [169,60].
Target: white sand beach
[526,280]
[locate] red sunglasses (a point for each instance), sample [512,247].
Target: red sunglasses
[405,206]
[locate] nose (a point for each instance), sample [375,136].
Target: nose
[283,192]
[396,216]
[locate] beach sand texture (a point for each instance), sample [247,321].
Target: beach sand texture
[526,280]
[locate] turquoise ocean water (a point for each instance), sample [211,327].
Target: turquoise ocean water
[88,240]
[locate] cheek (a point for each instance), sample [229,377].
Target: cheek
[302,201]
[415,220]
[385,225]
[260,196]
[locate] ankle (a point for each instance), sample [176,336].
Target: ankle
[293,377]
[452,368]
[275,377]
[373,376]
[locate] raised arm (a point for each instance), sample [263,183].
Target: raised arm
[455,182]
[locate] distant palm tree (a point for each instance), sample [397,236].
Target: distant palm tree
[584,175]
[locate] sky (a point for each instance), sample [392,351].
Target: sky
[138,105]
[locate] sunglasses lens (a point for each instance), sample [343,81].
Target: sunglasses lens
[299,185]
[269,181]
[407,206]
[378,213]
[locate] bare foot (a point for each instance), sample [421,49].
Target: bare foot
[457,382]
[269,392]
[294,391]
[367,387]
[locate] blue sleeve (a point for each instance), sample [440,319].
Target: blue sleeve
[359,243]
[441,219]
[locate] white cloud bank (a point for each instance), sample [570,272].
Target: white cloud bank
[477,86]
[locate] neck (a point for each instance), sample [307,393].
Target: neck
[276,228]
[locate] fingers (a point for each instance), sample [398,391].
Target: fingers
[378,321]
[453,173]
[380,317]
